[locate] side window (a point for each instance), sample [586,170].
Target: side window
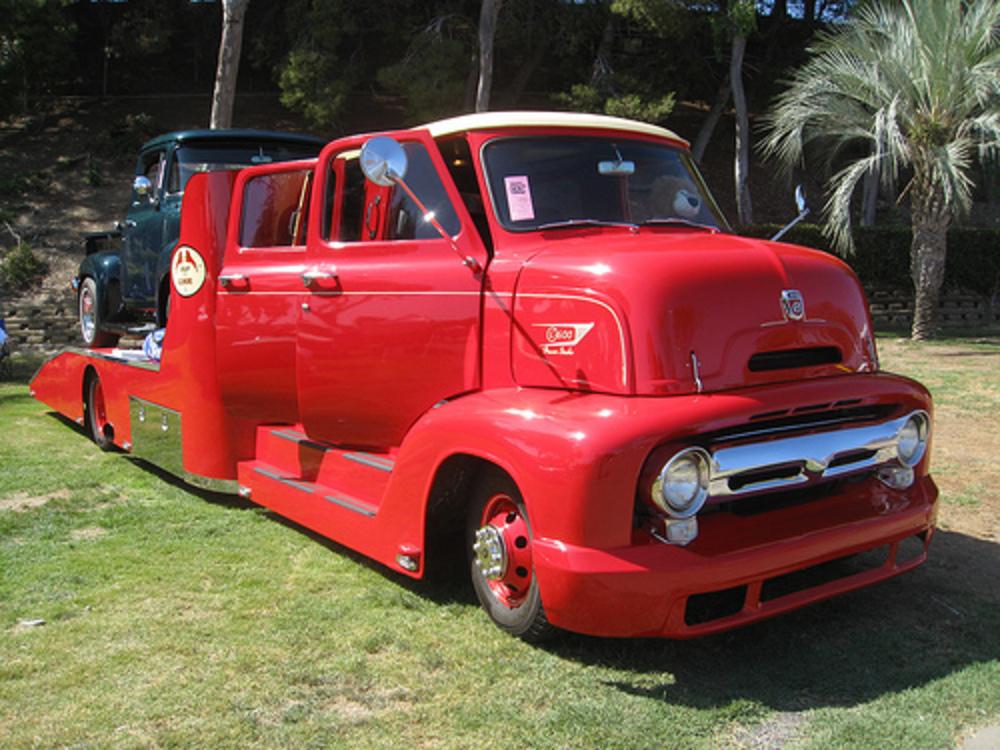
[150,167]
[174,186]
[369,212]
[458,156]
[274,207]
[352,202]
[406,220]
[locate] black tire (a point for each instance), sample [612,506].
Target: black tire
[498,541]
[163,304]
[91,323]
[95,413]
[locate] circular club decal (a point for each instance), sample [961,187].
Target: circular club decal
[187,271]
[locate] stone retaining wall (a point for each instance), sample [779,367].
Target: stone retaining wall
[892,309]
[51,323]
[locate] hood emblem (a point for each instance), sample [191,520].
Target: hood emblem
[563,338]
[793,307]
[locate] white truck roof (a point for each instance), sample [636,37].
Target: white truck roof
[513,119]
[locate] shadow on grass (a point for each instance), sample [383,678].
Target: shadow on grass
[899,634]
[902,633]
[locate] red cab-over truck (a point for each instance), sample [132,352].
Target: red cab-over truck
[534,335]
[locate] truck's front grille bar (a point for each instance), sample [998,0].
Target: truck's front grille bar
[805,418]
[799,460]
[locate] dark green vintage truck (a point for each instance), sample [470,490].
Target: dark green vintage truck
[123,281]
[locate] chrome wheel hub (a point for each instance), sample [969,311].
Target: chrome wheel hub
[490,553]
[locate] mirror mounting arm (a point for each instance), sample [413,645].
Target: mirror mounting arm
[800,203]
[383,161]
[467,260]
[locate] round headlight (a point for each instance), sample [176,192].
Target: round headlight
[682,486]
[911,441]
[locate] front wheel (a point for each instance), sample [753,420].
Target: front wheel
[90,319]
[499,542]
[96,413]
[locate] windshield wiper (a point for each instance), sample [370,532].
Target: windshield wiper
[587,223]
[674,221]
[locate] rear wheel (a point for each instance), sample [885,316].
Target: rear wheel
[499,542]
[163,304]
[90,318]
[96,413]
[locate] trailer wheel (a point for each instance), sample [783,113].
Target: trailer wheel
[96,413]
[498,539]
[90,319]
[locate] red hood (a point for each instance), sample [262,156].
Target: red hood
[672,311]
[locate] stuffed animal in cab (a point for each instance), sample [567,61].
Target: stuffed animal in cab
[673,197]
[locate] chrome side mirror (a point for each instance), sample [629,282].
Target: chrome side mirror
[142,187]
[800,198]
[800,204]
[383,161]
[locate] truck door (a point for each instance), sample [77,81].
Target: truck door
[259,292]
[390,322]
[142,230]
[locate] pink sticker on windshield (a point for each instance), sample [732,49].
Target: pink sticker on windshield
[519,198]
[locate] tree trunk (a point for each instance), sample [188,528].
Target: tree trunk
[517,87]
[487,31]
[809,11]
[228,68]
[601,72]
[869,198]
[711,120]
[741,169]
[931,216]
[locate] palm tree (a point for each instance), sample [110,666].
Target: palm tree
[904,88]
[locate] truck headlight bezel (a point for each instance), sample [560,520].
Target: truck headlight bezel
[681,487]
[912,439]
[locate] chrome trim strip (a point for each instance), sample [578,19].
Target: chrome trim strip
[300,486]
[376,462]
[804,459]
[130,357]
[352,504]
[303,440]
[367,459]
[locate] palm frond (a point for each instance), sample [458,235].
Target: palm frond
[903,84]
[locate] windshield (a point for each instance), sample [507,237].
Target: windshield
[190,160]
[538,183]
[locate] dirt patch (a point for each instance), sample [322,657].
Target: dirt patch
[780,731]
[21,502]
[90,532]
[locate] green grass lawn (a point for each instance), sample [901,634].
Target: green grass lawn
[137,612]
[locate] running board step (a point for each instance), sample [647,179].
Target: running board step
[333,491]
[316,490]
[351,479]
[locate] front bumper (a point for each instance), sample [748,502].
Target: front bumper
[741,568]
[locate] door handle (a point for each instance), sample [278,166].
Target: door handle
[229,280]
[311,277]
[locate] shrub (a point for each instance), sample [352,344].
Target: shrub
[19,183]
[21,269]
[882,255]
